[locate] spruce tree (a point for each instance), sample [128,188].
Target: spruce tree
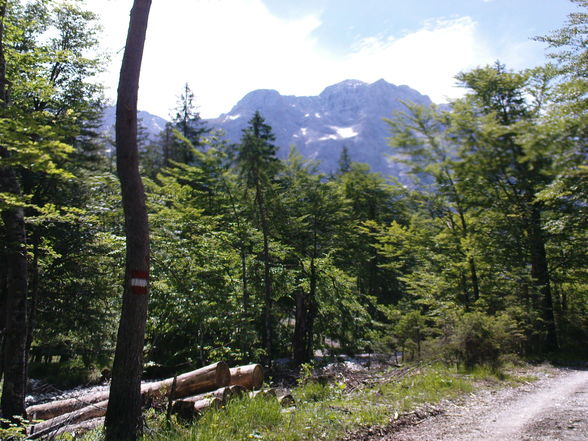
[257,166]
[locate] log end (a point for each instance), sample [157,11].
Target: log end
[250,376]
[237,391]
[286,400]
[223,374]
[257,376]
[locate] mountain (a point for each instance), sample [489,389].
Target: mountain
[346,114]
[153,124]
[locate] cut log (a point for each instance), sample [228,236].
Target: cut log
[237,391]
[286,400]
[191,409]
[53,409]
[201,380]
[52,425]
[265,393]
[83,427]
[250,376]
[223,394]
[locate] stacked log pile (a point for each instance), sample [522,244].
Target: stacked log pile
[189,395]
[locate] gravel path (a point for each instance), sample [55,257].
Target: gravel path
[555,408]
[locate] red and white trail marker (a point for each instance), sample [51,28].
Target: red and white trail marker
[139,282]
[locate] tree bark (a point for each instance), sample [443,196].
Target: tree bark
[268,329]
[299,340]
[541,279]
[14,356]
[205,379]
[312,305]
[123,417]
[15,306]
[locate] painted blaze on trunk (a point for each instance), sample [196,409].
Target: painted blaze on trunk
[123,416]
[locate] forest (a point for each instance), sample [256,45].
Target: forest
[255,258]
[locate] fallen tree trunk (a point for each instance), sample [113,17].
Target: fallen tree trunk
[249,376]
[200,380]
[83,427]
[237,391]
[188,409]
[222,394]
[266,393]
[52,425]
[53,409]
[286,400]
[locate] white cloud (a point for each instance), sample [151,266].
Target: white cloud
[426,60]
[225,49]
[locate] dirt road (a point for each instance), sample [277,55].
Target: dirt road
[555,408]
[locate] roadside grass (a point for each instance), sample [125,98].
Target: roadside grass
[504,376]
[326,412]
[322,412]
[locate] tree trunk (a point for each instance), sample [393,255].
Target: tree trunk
[299,340]
[541,280]
[268,330]
[3,290]
[14,344]
[312,308]
[15,339]
[34,296]
[471,260]
[123,417]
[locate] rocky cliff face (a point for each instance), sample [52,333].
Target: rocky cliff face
[346,114]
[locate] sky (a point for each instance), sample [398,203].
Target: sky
[224,49]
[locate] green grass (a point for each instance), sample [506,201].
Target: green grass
[323,411]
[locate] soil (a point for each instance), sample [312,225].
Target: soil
[554,408]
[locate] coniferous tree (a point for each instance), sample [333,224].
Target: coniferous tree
[344,163]
[189,131]
[257,166]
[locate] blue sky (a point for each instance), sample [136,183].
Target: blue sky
[226,48]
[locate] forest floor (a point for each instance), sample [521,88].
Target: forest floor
[553,408]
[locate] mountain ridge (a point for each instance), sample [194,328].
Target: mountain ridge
[349,113]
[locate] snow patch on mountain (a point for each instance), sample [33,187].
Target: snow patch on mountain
[347,114]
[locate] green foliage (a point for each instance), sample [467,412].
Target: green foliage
[13,429]
[475,339]
[254,257]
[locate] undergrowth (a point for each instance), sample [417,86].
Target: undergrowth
[323,411]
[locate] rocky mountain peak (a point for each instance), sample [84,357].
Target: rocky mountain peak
[347,113]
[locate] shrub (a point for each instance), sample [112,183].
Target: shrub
[475,338]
